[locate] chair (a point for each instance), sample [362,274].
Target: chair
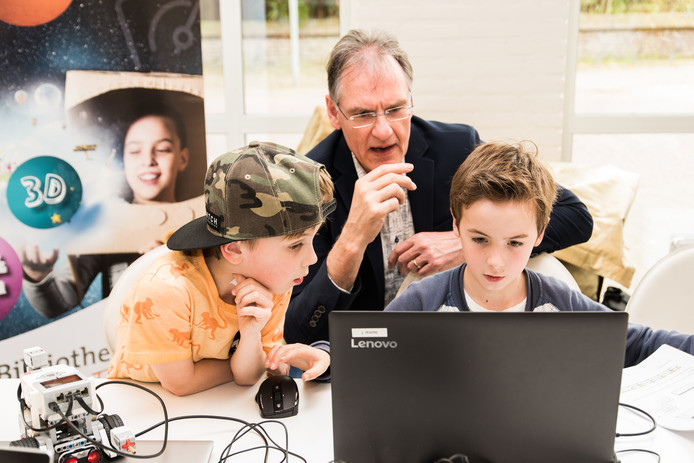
[547,264]
[120,289]
[664,298]
[317,129]
[608,192]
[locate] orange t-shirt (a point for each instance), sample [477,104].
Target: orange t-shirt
[173,312]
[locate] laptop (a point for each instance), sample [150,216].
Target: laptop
[23,455]
[495,387]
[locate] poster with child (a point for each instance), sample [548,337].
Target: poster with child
[102,154]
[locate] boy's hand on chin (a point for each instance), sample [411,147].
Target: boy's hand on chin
[253,304]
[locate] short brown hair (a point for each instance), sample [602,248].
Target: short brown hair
[502,172]
[368,47]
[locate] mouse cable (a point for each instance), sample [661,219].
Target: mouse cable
[199,417]
[643,413]
[258,428]
[228,456]
[208,417]
[242,432]
[247,427]
[657,455]
[252,427]
[223,458]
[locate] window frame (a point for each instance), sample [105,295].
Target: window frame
[596,123]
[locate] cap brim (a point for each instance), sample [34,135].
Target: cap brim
[195,235]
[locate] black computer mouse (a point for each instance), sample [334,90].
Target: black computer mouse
[278,397]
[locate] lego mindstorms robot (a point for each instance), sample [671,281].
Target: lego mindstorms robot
[57,414]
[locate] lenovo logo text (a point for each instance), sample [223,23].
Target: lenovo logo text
[368,344]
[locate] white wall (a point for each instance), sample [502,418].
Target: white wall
[497,65]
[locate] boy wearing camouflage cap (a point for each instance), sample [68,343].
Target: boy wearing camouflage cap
[210,311]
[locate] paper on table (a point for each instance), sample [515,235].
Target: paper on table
[663,385]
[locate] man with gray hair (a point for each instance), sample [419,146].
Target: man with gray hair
[392,172]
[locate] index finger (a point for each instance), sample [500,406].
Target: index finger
[388,174]
[395,168]
[398,251]
[53,257]
[252,311]
[273,357]
[244,284]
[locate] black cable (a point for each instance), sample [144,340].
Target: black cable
[190,417]
[286,437]
[226,453]
[56,408]
[211,417]
[641,450]
[653,426]
[644,413]
[264,447]
[80,400]
[70,401]
[23,406]
[248,427]
[164,410]
[252,426]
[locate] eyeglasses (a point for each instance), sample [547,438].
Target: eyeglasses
[366,119]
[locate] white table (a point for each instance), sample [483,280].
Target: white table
[310,432]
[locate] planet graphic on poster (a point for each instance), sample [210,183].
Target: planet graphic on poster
[44,192]
[10,278]
[47,96]
[31,12]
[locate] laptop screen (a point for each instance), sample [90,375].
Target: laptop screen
[496,387]
[23,455]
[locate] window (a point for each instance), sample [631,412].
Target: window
[634,108]
[264,68]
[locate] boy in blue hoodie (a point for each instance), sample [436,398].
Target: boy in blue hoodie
[501,198]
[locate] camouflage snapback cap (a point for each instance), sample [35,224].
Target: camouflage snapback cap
[258,191]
